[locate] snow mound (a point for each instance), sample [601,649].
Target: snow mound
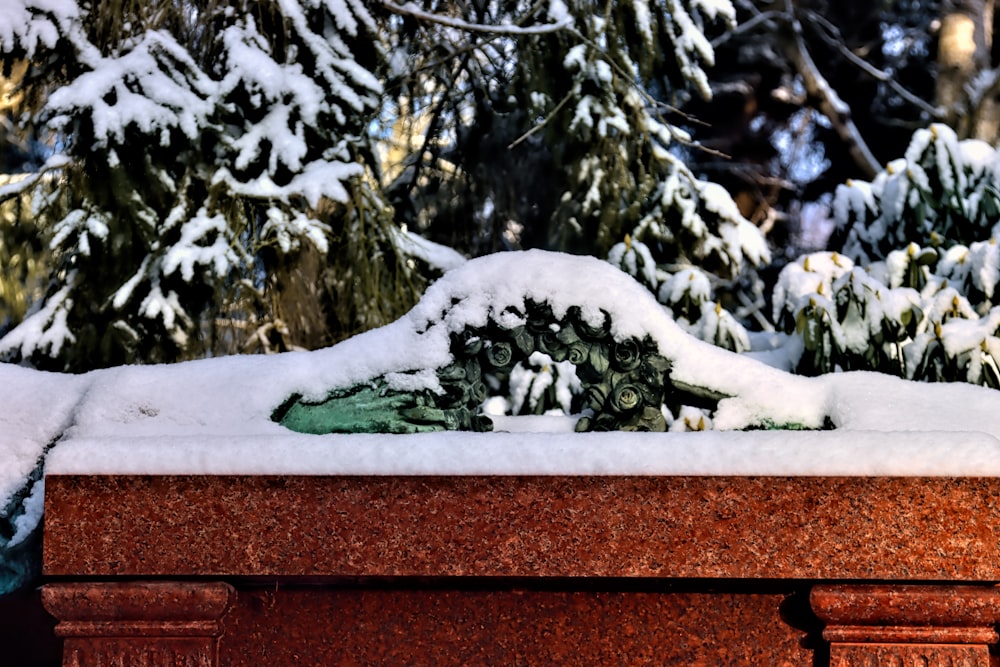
[222,407]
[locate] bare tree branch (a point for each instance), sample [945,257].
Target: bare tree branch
[410,9]
[830,103]
[831,35]
[748,25]
[545,121]
[13,187]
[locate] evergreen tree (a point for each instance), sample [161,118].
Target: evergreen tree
[248,176]
[560,137]
[204,149]
[216,169]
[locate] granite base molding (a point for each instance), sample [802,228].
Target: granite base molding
[933,625]
[147,624]
[198,624]
[227,571]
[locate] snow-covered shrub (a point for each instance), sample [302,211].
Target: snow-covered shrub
[912,292]
[542,385]
[903,296]
[943,198]
[842,317]
[942,192]
[687,294]
[635,259]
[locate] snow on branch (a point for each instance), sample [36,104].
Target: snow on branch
[412,10]
[16,185]
[156,87]
[34,25]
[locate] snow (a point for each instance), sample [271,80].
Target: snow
[437,256]
[37,407]
[557,11]
[985,256]
[35,24]
[189,252]
[635,259]
[807,277]
[644,22]
[691,283]
[977,155]
[318,179]
[529,382]
[43,329]
[166,306]
[862,319]
[691,47]
[214,416]
[155,86]
[289,227]
[235,396]
[759,453]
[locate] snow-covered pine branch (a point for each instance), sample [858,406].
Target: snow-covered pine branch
[189,153]
[629,177]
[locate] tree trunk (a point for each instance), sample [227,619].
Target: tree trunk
[963,51]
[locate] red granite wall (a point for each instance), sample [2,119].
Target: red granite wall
[498,624]
[859,528]
[321,571]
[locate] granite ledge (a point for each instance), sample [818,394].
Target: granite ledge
[673,527]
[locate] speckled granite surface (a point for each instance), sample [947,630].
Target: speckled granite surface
[908,624]
[934,529]
[521,571]
[511,627]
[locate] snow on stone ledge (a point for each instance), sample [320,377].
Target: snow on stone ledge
[235,396]
[213,417]
[756,453]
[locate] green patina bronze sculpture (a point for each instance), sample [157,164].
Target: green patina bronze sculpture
[625,381]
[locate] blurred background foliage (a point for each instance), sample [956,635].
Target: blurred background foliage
[697,144]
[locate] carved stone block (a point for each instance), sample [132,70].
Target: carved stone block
[908,625]
[139,652]
[139,624]
[908,655]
